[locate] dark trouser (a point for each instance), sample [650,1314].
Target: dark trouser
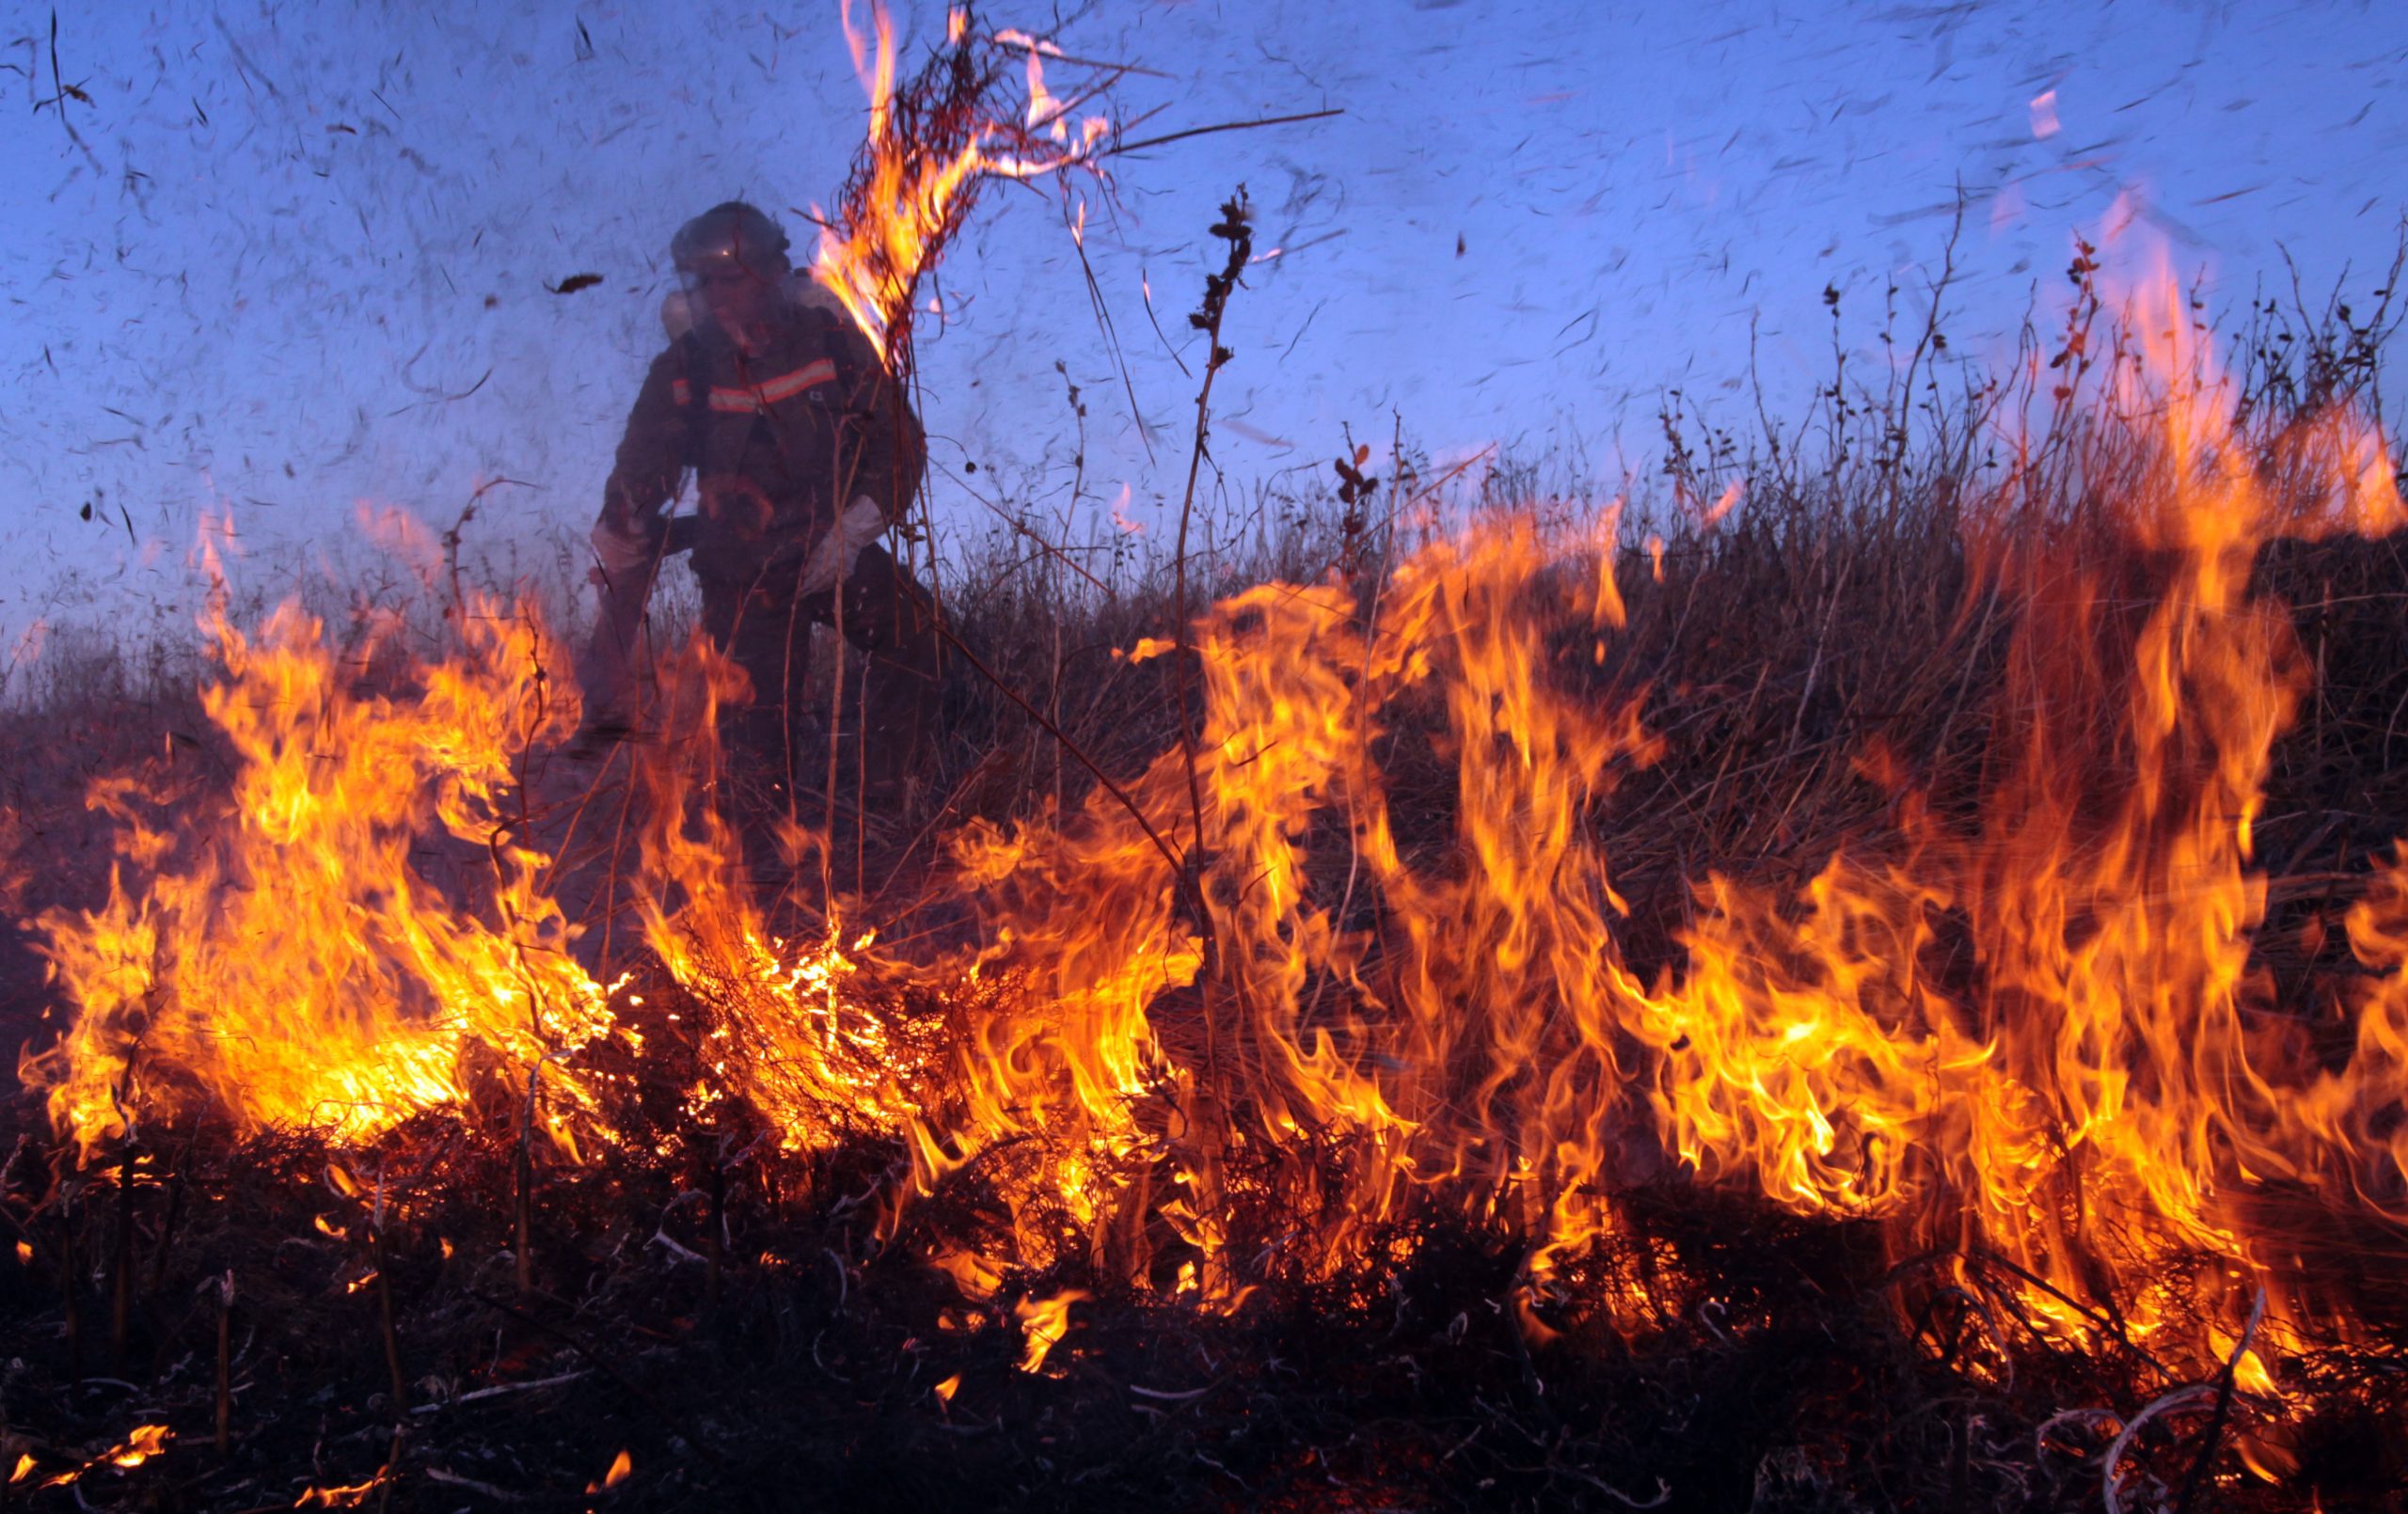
[606,671]
[889,705]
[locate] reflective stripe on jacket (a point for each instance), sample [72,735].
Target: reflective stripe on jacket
[811,421]
[758,398]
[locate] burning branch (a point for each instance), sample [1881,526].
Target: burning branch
[934,142]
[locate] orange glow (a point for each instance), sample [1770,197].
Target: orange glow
[621,1466]
[1355,1006]
[147,1441]
[908,196]
[284,959]
[1723,504]
[1043,1323]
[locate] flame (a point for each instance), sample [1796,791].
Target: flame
[1044,1322]
[285,959]
[147,1441]
[922,164]
[622,1467]
[1194,1071]
[2092,1109]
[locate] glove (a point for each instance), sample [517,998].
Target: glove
[832,562]
[738,503]
[624,553]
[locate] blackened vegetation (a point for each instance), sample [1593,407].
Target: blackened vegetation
[728,1315]
[724,1316]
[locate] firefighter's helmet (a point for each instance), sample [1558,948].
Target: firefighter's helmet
[734,235]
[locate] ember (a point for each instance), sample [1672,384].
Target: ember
[930,147]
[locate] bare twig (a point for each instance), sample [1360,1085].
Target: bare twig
[2179,1399]
[602,1362]
[1225,126]
[2225,1385]
[482,1490]
[223,1288]
[1236,229]
[122,1259]
[500,1390]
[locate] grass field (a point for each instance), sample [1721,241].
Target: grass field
[1805,703]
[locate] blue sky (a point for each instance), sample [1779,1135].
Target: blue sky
[291,260]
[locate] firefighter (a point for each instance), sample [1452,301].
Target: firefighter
[805,453]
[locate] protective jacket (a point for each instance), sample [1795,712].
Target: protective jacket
[781,439]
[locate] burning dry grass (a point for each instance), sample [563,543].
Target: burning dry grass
[718,1317]
[1889,1000]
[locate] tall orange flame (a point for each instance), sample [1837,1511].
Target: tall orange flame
[285,959]
[1344,1019]
[917,176]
